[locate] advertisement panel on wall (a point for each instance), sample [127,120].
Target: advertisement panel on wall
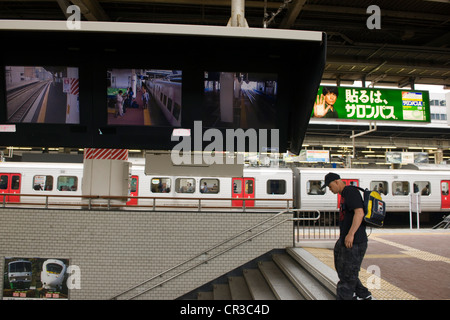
[406,157]
[35,278]
[372,104]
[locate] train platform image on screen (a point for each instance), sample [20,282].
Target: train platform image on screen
[42,94]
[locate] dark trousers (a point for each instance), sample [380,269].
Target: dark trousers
[347,262]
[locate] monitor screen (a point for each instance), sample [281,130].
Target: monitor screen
[42,94]
[144,97]
[240,100]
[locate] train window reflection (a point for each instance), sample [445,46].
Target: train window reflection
[276,186]
[160,185]
[423,187]
[209,185]
[400,188]
[67,183]
[185,185]
[313,187]
[382,187]
[41,183]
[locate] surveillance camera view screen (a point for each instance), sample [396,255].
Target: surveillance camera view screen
[42,94]
[240,100]
[144,97]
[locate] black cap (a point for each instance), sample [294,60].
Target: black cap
[330,177]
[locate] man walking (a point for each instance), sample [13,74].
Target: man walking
[352,243]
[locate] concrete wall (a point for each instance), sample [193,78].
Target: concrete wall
[118,249]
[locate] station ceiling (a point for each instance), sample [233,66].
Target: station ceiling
[411,46]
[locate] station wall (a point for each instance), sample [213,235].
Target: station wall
[116,250]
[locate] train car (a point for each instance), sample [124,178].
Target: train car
[33,181]
[52,274]
[272,186]
[274,189]
[395,187]
[19,274]
[167,95]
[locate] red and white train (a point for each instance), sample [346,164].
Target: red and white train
[262,188]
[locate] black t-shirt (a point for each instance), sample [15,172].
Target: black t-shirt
[350,200]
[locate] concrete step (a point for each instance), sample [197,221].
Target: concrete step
[319,270]
[221,291]
[239,288]
[282,288]
[208,295]
[305,283]
[257,285]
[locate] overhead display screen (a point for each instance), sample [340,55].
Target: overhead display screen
[372,104]
[240,100]
[144,97]
[42,94]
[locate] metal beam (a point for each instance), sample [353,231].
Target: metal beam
[91,10]
[292,14]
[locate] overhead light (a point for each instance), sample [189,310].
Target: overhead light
[441,1]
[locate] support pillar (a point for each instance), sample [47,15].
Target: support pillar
[106,173]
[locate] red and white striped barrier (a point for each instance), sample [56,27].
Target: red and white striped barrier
[106,154]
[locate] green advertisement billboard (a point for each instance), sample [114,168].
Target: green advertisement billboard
[372,104]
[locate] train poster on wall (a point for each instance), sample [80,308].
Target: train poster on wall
[372,104]
[35,278]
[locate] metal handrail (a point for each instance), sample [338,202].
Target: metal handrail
[108,199]
[217,254]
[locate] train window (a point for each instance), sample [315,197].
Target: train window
[444,188]
[381,186]
[160,185]
[400,188]
[3,182]
[237,186]
[423,187]
[249,186]
[67,183]
[43,183]
[185,185]
[276,186]
[313,187]
[176,110]
[133,184]
[169,105]
[209,186]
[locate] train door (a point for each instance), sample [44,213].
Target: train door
[134,191]
[10,183]
[348,182]
[445,197]
[243,188]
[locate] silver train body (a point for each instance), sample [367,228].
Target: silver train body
[168,97]
[263,188]
[52,274]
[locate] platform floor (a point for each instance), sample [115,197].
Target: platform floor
[400,264]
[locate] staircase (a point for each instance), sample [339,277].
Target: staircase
[293,274]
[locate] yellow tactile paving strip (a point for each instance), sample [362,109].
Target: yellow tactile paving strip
[383,290]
